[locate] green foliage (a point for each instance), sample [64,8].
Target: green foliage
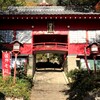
[20,89]
[52,56]
[63,2]
[79,5]
[35,1]
[74,74]
[5,3]
[79,2]
[82,84]
[20,3]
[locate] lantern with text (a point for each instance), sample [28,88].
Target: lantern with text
[16,47]
[16,51]
[94,49]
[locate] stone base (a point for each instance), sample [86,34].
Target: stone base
[72,62]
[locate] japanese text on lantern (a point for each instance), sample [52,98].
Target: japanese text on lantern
[6,63]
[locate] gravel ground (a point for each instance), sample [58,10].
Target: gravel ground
[49,85]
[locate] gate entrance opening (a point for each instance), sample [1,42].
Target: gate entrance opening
[50,61]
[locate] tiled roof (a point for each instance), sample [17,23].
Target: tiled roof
[40,10]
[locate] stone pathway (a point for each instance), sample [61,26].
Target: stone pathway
[49,85]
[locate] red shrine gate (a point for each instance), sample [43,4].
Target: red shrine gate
[51,29]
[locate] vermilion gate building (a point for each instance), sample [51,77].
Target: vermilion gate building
[51,29]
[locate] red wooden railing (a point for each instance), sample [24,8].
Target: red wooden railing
[50,46]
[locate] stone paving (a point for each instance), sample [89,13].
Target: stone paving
[49,85]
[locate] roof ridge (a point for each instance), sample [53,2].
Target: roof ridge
[41,10]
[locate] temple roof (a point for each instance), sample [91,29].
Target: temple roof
[41,10]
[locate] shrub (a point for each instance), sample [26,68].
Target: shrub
[82,84]
[20,89]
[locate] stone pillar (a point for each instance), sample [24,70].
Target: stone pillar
[31,60]
[34,65]
[30,70]
[71,59]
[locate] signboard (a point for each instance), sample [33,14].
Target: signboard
[6,64]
